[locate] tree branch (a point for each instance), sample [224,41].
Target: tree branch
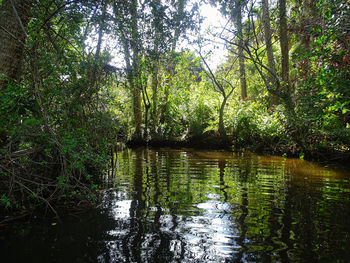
[19,19]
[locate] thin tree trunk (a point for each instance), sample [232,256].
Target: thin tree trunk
[147,105]
[136,95]
[222,129]
[268,43]
[284,45]
[268,35]
[135,46]
[157,24]
[180,11]
[100,30]
[242,73]
[155,97]
[93,77]
[220,88]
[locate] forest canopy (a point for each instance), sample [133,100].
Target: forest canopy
[65,103]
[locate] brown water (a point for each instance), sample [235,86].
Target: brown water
[184,205]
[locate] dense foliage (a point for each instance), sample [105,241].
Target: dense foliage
[57,127]
[283,89]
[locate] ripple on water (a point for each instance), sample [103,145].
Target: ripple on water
[202,206]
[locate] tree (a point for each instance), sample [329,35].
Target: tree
[159,36]
[268,42]
[54,113]
[238,21]
[14,17]
[97,56]
[126,17]
[149,31]
[233,9]
[283,36]
[220,85]
[176,23]
[306,24]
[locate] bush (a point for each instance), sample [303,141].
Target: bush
[253,126]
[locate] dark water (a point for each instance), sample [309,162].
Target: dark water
[195,206]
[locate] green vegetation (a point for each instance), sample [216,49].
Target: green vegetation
[65,102]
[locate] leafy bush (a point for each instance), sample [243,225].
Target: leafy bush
[56,129]
[200,117]
[253,126]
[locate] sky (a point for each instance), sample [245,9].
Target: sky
[214,22]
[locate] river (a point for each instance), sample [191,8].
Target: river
[185,205]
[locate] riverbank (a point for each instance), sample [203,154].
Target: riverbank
[320,152]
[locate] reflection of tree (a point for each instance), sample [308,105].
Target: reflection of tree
[173,210]
[272,216]
[245,173]
[133,240]
[242,224]
[222,166]
[286,227]
[305,213]
[146,238]
[159,253]
[272,212]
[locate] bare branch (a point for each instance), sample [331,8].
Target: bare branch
[12,35]
[211,74]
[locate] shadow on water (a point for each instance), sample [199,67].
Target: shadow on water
[166,205]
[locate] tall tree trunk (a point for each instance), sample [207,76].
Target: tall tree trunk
[170,69]
[93,76]
[136,95]
[285,84]
[306,17]
[284,45]
[180,14]
[158,36]
[14,16]
[304,30]
[130,41]
[155,97]
[268,43]
[147,105]
[222,129]
[135,46]
[239,26]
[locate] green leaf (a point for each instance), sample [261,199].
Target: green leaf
[5,200]
[31,122]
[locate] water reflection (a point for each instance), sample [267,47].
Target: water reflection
[194,206]
[190,206]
